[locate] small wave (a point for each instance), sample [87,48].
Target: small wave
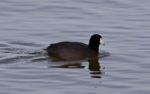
[25,43]
[104,54]
[14,52]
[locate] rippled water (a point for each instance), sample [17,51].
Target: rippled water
[29,26]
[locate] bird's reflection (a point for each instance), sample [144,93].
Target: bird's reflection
[93,66]
[68,65]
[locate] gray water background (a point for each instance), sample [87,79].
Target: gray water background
[29,26]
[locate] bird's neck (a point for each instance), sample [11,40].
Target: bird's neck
[94,47]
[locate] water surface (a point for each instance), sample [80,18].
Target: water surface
[29,26]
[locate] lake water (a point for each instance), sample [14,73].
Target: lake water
[29,26]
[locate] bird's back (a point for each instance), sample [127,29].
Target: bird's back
[70,50]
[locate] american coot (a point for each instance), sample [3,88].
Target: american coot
[75,50]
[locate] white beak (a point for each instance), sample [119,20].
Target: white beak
[102,42]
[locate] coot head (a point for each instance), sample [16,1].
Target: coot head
[95,41]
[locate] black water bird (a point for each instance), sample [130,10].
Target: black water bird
[75,50]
